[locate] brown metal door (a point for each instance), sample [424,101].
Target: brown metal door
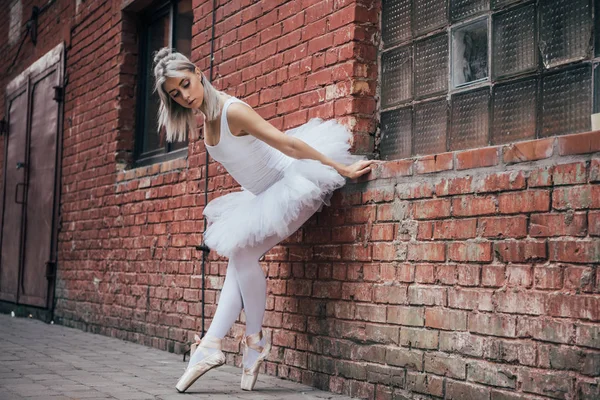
[29,226]
[14,193]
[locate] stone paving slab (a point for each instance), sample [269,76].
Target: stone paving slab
[51,362]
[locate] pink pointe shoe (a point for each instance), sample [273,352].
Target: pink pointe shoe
[209,362]
[249,375]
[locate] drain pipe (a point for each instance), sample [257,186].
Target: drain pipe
[205,250]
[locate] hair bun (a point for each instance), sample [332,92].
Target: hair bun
[159,55]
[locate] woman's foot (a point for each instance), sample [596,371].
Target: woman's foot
[204,356]
[256,348]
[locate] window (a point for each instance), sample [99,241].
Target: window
[164,23]
[460,74]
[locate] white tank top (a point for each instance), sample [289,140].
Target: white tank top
[251,162]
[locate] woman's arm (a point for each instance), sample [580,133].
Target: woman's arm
[243,118]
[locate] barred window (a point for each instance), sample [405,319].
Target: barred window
[164,23]
[461,74]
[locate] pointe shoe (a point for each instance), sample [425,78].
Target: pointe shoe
[195,371]
[249,375]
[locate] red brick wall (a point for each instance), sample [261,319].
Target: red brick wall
[469,275]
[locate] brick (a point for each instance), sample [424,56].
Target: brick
[383,232]
[560,358]
[411,191]
[401,357]
[473,205]
[387,251]
[370,312]
[386,375]
[410,316]
[556,385]
[424,230]
[595,170]
[462,343]
[405,273]
[569,174]
[573,306]
[395,211]
[470,299]
[378,194]
[453,186]
[519,302]
[492,275]
[425,383]
[445,365]
[528,151]
[520,251]
[588,335]
[477,158]
[558,224]
[440,318]
[378,333]
[588,390]
[509,351]
[499,182]
[464,391]
[580,143]
[430,209]
[574,251]
[446,274]
[491,374]
[455,229]
[524,202]
[427,295]
[424,273]
[579,278]
[419,338]
[499,395]
[519,275]
[548,277]
[357,291]
[434,163]
[426,251]
[594,223]
[503,227]
[391,169]
[470,251]
[468,275]
[491,324]
[390,294]
[540,177]
[576,197]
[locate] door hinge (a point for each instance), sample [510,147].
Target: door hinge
[50,269]
[59,93]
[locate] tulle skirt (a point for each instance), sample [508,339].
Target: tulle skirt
[241,219]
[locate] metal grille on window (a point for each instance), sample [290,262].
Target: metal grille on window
[565,31]
[396,134]
[396,26]
[498,4]
[566,101]
[514,111]
[514,44]
[470,53]
[470,120]
[429,15]
[431,60]
[396,76]
[431,123]
[461,9]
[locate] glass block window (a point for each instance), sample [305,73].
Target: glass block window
[469,73]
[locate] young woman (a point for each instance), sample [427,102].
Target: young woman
[285,179]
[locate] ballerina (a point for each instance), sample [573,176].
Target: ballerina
[285,178]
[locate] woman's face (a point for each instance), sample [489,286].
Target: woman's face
[187,91]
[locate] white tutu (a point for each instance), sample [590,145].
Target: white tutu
[242,219]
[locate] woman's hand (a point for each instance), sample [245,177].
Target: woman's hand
[357,169]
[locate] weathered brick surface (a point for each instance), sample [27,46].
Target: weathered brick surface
[467,275]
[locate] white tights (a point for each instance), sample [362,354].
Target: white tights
[245,288]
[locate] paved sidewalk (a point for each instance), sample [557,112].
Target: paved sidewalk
[41,361]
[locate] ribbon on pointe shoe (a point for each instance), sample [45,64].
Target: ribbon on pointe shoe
[195,345]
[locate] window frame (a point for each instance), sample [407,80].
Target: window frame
[158,9]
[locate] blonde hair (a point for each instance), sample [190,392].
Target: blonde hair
[177,119]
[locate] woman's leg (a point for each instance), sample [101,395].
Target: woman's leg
[252,281]
[228,311]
